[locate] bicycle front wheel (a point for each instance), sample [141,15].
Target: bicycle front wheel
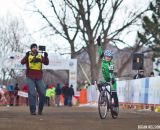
[103,105]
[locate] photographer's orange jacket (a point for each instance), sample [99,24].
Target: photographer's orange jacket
[34,74]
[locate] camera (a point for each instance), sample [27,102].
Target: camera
[42,48]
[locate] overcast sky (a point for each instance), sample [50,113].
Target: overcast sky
[16,7]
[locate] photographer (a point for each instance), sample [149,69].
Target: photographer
[33,61]
[140,74]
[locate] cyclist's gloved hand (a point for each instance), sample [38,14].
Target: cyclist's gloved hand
[27,54]
[99,41]
[113,81]
[45,54]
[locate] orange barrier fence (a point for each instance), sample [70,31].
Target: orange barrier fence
[83,96]
[138,106]
[62,99]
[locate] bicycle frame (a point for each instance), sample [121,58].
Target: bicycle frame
[109,92]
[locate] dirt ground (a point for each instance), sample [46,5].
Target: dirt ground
[75,118]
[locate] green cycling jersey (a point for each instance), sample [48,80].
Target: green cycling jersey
[107,76]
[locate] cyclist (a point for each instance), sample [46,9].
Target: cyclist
[107,71]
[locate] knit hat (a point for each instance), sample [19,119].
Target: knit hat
[33,45]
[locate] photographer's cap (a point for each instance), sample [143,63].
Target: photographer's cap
[33,45]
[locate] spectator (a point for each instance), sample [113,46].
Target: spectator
[3,92]
[16,88]
[152,74]
[92,93]
[34,60]
[86,85]
[53,94]
[50,93]
[71,94]
[140,74]
[65,91]
[47,97]
[58,93]
[11,94]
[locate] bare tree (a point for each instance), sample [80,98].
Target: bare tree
[84,20]
[13,38]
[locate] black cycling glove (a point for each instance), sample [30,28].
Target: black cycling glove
[45,54]
[99,40]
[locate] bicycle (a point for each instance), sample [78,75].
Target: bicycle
[106,102]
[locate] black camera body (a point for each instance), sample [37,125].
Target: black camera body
[42,48]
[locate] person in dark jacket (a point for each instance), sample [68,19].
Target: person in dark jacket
[71,94]
[140,74]
[65,91]
[16,89]
[58,93]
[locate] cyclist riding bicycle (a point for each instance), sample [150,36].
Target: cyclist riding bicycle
[107,71]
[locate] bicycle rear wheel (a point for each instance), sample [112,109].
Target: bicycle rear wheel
[103,105]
